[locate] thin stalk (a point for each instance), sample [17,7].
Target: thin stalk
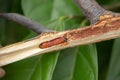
[92,10]
[32,25]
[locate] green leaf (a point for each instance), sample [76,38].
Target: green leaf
[3,7]
[46,13]
[106,49]
[65,64]
[86,64]
[9,30]
[58,10]
[76,62]
[46,10]
[38,10]
[104,52]
[114,68]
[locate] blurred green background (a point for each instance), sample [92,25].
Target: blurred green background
[100,61]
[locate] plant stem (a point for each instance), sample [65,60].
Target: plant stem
[91,9]
[25,22]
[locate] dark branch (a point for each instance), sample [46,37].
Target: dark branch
[92,10]
[25,22]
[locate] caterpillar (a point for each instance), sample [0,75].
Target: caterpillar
[53,42]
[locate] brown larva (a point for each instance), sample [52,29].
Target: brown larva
[53,42]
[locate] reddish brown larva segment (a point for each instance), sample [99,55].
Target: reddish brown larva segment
[53,42]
